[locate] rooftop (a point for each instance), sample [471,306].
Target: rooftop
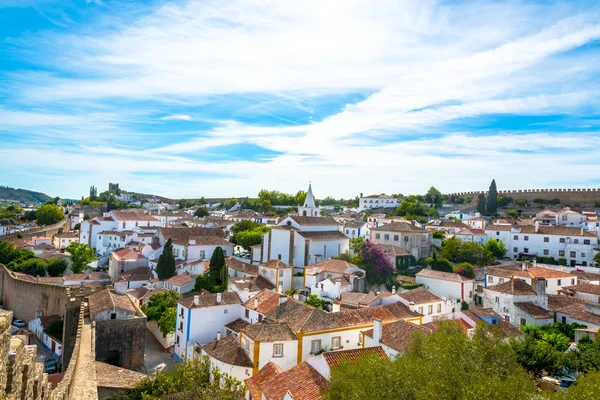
[115,377]
[302,382]
[323,235]
[270,332]
[446,276]
[534,310]
[181,279]
[513,286]
[419,296]
[277,264]
[330,265]
[107,299]
[229,351]
[397,335]
[264,301]
[252,283]
[336,358]
[210,300]
[314,221]
[399,227]
[266,373]
[584,288]
[132,215]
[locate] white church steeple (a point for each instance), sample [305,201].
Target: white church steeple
[309,209]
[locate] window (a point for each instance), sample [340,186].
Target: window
[558,282]
[336,342]
[516,237]
[526,238]
[278,350]
[123,225]
[526,250]
[546,239]
[353,231]
[420,311]
[576,241]
[497,299]
[396,238]
[561,253]
[181,312]
[279,256]
[377,236]
[572,281]
[564,320]
[405,239]
[546,252]
[582,255]
[501,280]
[260,317]
[586,241]
[523,321]
[386,237]
[178,339]
[562,240]
[497,233]
[246,344]
[202,253]
[507,318]
[247,314]
[439,308]
[181,326]
[515,249]
[573,254]
[280,273]
[315,346]
[225,311]
[490,279]
[113,316]
[430,309]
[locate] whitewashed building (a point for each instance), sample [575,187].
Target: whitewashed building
[447,285]
[378,201]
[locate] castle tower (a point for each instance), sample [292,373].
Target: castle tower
[309,209]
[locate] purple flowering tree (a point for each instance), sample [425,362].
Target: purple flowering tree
[376,264]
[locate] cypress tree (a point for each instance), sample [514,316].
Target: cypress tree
[217,266]
[492,200]
[481,203]
[166,262]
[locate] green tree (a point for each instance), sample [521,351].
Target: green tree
[492,200]
[217,268]
[201,212]
[203,281]
[57,266]
[450,249]
[474,253]
[496,247]
[433,196]
[162,308]
[33,266]
[81,256]
[512,213]
[7,252]
[521,203]
[189,380]
[481,203]
[587,388]
[465,269]
[49,214]
[484,367]
[55,329]
[355,243]
[438,234]
[165,268]
[315,301]
[597,258]
[439,264]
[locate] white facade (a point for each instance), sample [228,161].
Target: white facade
[378,201]
[431,311]
[266,352]
[309,208]
[448,289]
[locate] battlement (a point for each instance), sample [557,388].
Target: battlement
[566,196]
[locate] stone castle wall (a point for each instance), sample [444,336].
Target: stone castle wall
[566,196]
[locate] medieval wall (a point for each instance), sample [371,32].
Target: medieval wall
[125,337]
[566,196]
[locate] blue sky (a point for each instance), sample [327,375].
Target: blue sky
[224,98]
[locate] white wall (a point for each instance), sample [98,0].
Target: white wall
[239,373]
[447,289]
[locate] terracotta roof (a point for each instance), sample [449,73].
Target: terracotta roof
[446,276]
[210,300]
[275,264]
[137,274]
[585,288]
[507,329]
[516,286]
[503,271]
[264,301]
[75,277]
[397,335]
[331,265]
[354,224]
[229,351]
[106,299]
[127,254]
[472,232]
[578,311]
[314,221]
[253,283]
[337,358]
[539,272]
[138,293]
[67,235]
[51,255]
[419,296]
[399,227]
[111,376]
[302,382]
[185,234]
[132,215]
[404,278]
[544,230]
[534,310]
[392,250]
[586,276]
[323,235]
[558,302]
[448,223]
[270,332]
[241,266]
[269,371]
[358,299]
[181,279]
[237,325]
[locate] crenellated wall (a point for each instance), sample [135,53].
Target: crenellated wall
[566,196]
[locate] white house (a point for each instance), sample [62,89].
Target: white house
[125,260]
[37,326]
[407,236]
[356,229]
[449,226]
[472,235]
[62,240]
[587,314]
[200,317]
[300,241]
[329,278]
[576,245]
[195,243]
[278,273]
[182,283]
[248,287]
[227,354]
[583,291]
[378,201]
[447,285]
[477,223]
[426,303]
[274,342]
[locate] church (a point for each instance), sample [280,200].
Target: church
[304,239]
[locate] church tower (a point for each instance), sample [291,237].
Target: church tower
[309,209]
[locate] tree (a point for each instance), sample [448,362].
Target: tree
[33,266]
[376,264]
[439,264]
[81,256]
[7,252]
[481,203]
[465,269]
[521,203]
[450,249]
[597,258]
[537,356]
[492,200]
[203,281]
[189,380]
[438,234]
[217,268]
[165,268]
[355,243]
[49,214]
[57,266]
[201,212]
[162,308]
[55,329]
[433,196]
[512,213]
[315,301]
[496,247]
[484,367]
[474,253]
[587,388]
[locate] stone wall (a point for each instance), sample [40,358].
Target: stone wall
[48,231]
[566,196]
[125,337]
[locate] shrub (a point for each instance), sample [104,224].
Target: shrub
[465,269]
[464,306]
[438,235]
[522,203]
[562,261]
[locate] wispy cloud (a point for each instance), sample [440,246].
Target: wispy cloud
[180,117]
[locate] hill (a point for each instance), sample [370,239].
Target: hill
[22,195]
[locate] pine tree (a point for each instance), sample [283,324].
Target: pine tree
[481,203]
[492,200]
[166,262]
[217,267]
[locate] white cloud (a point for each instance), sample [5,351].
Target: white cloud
[179,117]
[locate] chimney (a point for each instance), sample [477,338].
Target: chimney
[523,267]
[539,286]
[512,283]
[377,331]
[218,335]
[295,296]
[338,285]
[37,278]
[196,300]
[537,226]
[393,289]
[202,292]
[218,298]
[255,303]
[282,299]
[280,288]
[534,263]
[316,270]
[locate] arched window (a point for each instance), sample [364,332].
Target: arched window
[304,213]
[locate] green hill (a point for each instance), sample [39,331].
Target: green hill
[22,195]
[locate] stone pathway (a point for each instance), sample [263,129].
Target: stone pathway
[84,381]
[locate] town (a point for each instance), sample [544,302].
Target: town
[289,296]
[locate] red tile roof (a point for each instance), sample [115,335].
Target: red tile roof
[336,358]
[302,381]
[269,371]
